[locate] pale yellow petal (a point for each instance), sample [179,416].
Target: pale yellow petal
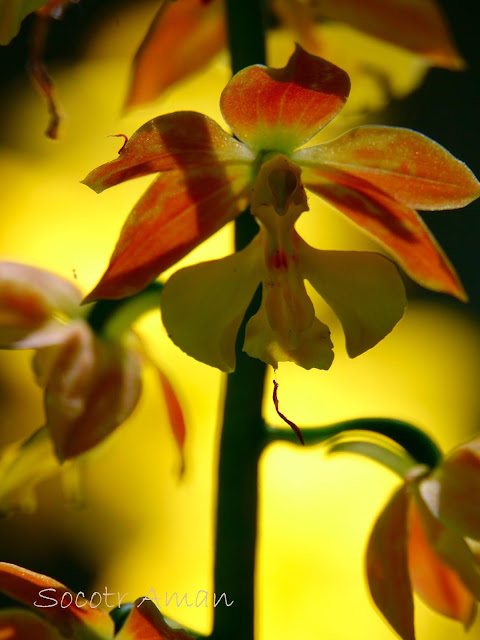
[364,289]
[203,305]
[313,349]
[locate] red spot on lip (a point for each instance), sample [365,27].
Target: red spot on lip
[279,260]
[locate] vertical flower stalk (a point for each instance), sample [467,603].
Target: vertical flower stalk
[242,428]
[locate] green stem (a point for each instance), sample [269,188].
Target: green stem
[415,441]
[111,318]
[242,436]
[241,444]
[246,33]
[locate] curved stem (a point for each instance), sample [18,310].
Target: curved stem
[415,441]
[242,436]
[111,318]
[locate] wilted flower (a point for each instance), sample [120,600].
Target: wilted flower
[91,381]
[374,175]
[418,543]
[57,613]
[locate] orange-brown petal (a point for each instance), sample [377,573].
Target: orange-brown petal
[297,17]
[93,386]
[29,298]
[20,624]
[396,226]
[176,214]
[453,490]
[442,568]
[280,109]
[183,37]
[387,566]
[183,140]
[419,25]
[407,165]
[76,619]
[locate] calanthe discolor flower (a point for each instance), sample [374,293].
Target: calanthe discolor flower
[418,543]
[376,176]
[203,305]
[56,613]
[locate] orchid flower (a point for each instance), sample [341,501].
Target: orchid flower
[418,543]
[203,305]
[91,381]
[374,175]
[72,616]
[196,31]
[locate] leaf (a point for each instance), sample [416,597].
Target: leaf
[395,226]
[183,37]
[282,109]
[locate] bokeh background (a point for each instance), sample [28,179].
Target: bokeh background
[143,527]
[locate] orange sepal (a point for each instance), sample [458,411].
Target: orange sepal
[184,140]
[183,37]
[438,566]
[177,213]
[453,490]
[175,414]
[297,17]
[146,621]
[396,226]
[32,304]
[282,109]
[81,622]
[416,25]
[387,569]
[407,165]
[19,624]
